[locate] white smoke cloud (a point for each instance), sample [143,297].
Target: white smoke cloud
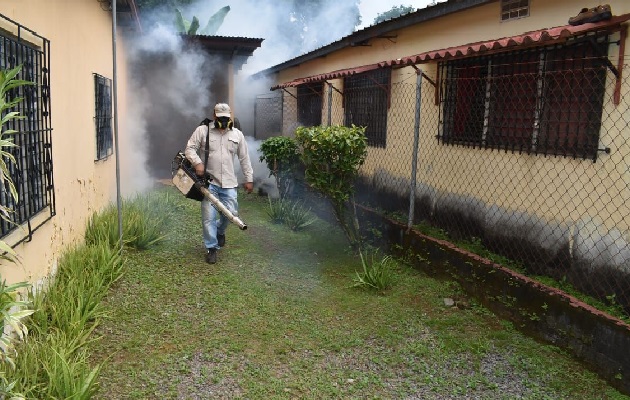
[170,83]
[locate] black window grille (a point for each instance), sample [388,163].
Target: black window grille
[32,172]
[268,116]
[103,116]
[544,100]
[514,9]
[309,103]
[366,101]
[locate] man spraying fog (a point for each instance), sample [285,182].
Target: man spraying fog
[223,142]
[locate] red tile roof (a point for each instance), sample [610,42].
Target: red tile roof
[539,37]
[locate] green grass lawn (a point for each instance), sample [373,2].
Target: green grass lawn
[277,318]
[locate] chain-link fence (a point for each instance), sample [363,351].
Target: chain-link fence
[528,159]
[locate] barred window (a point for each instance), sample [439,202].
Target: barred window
[32,171]
[309,103]
[366,100]
[545,100]
[103,116]
[514,9]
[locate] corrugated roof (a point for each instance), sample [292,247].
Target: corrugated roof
[379,30]
[330,75]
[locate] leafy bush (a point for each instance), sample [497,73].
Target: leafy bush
[8,83]
[72,299]
[52,367]
[282,156]
[332,156]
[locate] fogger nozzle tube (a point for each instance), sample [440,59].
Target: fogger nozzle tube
[220,207]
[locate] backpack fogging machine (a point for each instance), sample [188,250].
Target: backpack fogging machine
[193,187]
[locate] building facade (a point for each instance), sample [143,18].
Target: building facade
[66,167]
[499,122]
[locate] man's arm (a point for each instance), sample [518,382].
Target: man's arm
[192,150]
[246,165]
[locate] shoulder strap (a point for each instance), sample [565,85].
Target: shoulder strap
[205,163]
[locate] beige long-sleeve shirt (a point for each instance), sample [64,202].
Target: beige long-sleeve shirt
[223,146]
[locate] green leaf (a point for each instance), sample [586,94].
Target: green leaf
[215,21]
[180,23]
[192,30]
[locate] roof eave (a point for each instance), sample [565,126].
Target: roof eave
[374,31]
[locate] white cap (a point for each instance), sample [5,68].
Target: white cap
[222,110]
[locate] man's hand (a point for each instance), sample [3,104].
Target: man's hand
[200,170]
[249,187]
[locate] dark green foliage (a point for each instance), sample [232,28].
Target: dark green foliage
[332,156]
[282,156]
[394,12]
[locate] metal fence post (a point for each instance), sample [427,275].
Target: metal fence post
[329,103]
[414,158]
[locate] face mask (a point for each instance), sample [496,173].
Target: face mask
[223,123]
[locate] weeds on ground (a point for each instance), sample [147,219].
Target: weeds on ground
[475,245]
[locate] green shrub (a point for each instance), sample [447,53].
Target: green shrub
[332,156]
[282,156]
[13,309]
[52,367]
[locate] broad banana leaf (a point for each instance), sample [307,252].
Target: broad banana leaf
[193,26]
[215,22]
[180,23]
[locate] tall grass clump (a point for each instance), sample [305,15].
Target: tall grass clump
[52,361]
[377,273]
[145,218]
[292,213]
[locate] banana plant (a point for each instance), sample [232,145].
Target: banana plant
[8,82]
[12,309]
[190,28]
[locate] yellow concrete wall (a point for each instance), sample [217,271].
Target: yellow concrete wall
[80,35]
[473,25]
[510,181]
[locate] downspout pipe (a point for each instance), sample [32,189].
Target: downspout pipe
[115,95]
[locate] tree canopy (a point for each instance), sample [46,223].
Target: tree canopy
[148,5]
[394,12]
